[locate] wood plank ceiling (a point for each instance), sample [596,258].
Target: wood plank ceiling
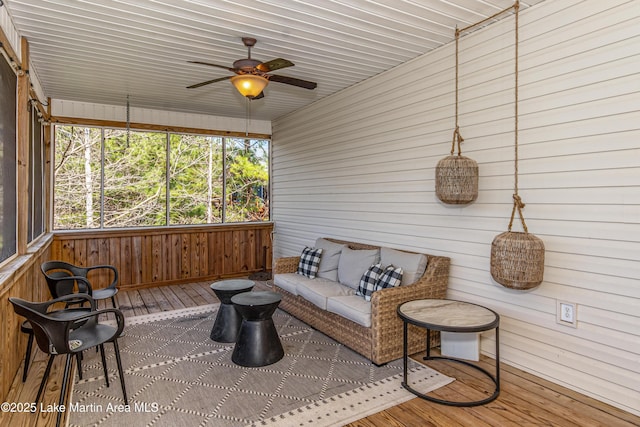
[100,51]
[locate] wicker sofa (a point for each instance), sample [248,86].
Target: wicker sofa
[382,341]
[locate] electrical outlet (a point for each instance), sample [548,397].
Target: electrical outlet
[566,313]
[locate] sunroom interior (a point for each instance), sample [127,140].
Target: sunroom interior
[357,163]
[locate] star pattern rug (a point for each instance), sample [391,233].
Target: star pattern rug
[177,376]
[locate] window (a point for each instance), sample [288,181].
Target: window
[77,177]
[114,178]
[134,178]
[247,180]
[195,180]
[8,205]
[36,167]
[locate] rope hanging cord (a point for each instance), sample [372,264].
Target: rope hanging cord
[457,137]
[456,133]
[518,204]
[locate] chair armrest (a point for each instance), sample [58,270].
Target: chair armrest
[96,313]
[286,265]
[114,282]
[72,297]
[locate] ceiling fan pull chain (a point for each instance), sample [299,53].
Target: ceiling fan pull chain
[248,114]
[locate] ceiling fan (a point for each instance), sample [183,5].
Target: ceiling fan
[251,76]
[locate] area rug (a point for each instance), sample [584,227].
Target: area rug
[177,376]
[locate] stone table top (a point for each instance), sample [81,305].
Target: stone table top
[232,285]
[259,298]
[448,315]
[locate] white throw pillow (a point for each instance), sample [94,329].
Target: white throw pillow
[353,264]
[330,257]
[413,265]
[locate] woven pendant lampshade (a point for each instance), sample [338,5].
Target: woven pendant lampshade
[457,176]
[517,258]
[457,180]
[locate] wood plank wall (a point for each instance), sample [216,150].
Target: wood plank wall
[21,278]
[164,256]
[360,165]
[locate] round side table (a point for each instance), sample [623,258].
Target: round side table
[258,343]
[450,316]
[228,320]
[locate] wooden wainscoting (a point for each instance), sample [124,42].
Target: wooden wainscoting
[21,278]
[163,256]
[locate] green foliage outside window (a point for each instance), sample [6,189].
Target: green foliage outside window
[106,178]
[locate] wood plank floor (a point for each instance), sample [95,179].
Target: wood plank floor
[525,400]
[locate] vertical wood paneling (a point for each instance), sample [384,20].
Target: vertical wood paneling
[168,255]
[185,255]
[147,260]
[27,282]
[176,257]
[360,166]
[80,252]
[229,256]
[202,255]
[194,250]
[216,254]
[157,263]
[136,259]
[125,261]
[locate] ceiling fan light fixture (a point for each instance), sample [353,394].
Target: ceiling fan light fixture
[249,85]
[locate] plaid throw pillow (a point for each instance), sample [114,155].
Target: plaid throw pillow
[390,278]
[309,262]
[368,281]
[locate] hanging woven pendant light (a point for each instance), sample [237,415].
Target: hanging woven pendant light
[457,176]
[517,258]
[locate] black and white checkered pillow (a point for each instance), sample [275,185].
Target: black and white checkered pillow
[390,278]
[368,281]
[309,262]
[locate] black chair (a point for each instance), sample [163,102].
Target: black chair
[64,279]
[63,314]
[71,336]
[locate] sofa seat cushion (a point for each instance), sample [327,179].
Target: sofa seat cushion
[289,281]
[351,307]
[318,290]
[413,265]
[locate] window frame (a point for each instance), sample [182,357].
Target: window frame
[167,173]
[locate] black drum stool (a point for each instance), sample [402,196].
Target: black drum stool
[258,343]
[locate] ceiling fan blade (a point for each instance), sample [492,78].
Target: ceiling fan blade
[208,82]
[293,81]
[213,65]
[274,64]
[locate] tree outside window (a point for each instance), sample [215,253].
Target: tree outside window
[114,178]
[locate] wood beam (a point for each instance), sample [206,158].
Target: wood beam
[47,173]
[154,127]
[23,148]
[46,114]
